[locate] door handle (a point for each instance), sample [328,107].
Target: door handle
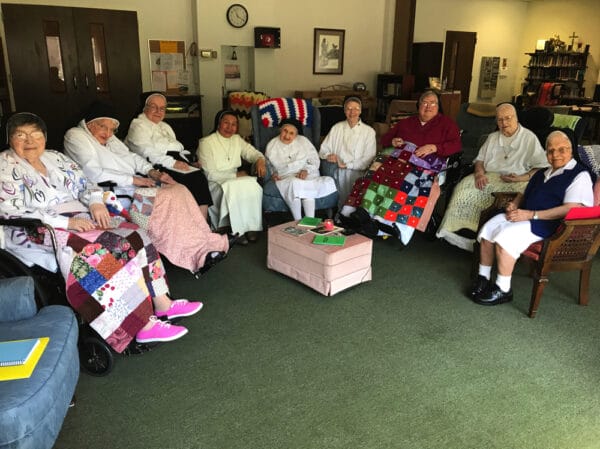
[75,81]
[87,83]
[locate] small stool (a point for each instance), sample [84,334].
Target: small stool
[326,269]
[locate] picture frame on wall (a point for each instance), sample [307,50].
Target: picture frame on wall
[328,51]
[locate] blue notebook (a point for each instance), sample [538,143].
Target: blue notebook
[17,352]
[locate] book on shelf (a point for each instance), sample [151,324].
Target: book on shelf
[25,370]
[335,240]
[17,352]
[310,222]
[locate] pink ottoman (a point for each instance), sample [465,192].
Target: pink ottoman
[327,269]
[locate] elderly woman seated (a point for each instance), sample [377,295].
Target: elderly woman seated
[505,163]
[350,146]
[114,275]
[237,196]
[152,138]
[294,164]
[173,212]
[400,189]
[530,217]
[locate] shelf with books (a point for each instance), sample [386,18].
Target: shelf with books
[560,68]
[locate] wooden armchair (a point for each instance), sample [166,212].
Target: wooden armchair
[572,247]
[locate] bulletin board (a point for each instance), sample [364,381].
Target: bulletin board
[488,77]
[167,66]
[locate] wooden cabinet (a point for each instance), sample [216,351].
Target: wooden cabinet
[565,68]
[61,59]
[184,114]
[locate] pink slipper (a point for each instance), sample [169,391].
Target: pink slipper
[180,308]
[160,331]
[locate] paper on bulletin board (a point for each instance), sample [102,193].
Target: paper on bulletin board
[159,81]
[167,66]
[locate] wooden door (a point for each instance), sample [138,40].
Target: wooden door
[109,56]
[458,61]
[57,71]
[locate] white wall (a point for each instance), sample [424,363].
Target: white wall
[279,72]
[563,17]
[504,28]
[157,19]
[498,25]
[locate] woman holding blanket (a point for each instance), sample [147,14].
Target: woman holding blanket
[421,145]
[114,276]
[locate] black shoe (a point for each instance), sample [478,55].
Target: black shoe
[210,261]
[366,225]
[361,216]
[233,239]
[252,236]
[494,297]
[481,287]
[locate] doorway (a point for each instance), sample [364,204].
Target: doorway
[61,59]
[458,61]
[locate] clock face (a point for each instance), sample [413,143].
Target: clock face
[237,15]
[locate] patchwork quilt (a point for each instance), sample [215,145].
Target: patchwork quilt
[396,188]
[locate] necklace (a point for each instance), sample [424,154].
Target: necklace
[226,145]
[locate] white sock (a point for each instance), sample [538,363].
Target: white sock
[296,209]
[308,204]
[485,271]
[347,210]
[503,282]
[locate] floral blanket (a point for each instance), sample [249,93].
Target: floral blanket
[112,279]
[111,275]
[397,187]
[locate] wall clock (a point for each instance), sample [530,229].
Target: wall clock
[237,15]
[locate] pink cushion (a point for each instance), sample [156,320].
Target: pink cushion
[327,269]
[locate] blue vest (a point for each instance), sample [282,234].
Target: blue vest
[540,195]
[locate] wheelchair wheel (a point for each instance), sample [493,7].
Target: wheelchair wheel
[95,357]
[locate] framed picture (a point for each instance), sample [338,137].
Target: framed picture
[328,51]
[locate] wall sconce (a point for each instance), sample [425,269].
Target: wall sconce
[233,54]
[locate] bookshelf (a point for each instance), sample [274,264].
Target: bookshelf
[567,68]
[391,87]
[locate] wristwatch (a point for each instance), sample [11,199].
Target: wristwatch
[535,215]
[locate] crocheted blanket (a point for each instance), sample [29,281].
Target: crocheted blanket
[398,188]
[241,103]
[466,205]
[274,110]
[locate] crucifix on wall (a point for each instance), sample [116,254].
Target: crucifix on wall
[573,37]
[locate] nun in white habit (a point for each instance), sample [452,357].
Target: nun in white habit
[294,164]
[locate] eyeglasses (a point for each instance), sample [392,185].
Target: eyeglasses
[22,136]
[106,128]
[154,108]
[429,103]
[350,108]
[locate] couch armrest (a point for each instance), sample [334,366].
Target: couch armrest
[17,299]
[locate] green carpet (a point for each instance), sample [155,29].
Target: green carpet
[404,361]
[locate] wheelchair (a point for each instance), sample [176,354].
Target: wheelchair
[96,357]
